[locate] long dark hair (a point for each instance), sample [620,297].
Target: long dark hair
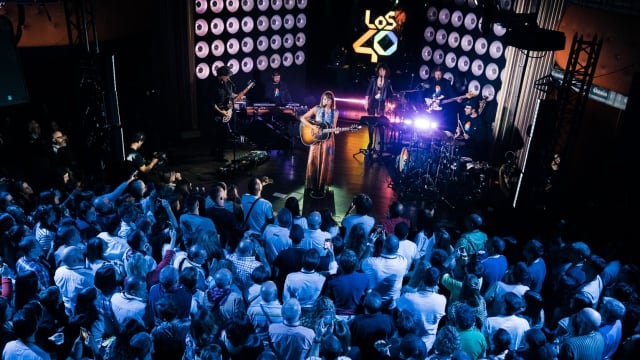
[85,305]
[26,288]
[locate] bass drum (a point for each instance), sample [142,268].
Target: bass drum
[402,161]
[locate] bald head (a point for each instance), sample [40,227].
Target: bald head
[268,291]
[291,311]
[223,278]
[245,247]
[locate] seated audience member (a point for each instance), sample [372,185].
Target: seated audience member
[371,326]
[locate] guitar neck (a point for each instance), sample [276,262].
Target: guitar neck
[336,129]
[242,93]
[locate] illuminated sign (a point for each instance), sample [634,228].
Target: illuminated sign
[385,41]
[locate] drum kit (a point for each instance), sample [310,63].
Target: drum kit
[436,167]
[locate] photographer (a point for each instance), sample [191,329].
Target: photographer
[148,170]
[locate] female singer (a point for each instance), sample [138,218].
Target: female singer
[321,117]
[378,92]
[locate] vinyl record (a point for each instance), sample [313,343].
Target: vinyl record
[247,65]
[262,62]
[288,41]
[477,67]
[463,63]
[276,22]
[454,39]
[234,66]
[492,71]
[247,44]
[301,4]
[451,60]
[287,59]
[217,26]
[301,20]
[202,28]
[299,57]
[427,53]
[216,6]
[233,25]
[289,4]
[481,46]
[470,21]
[247,5]
[275,60]
[429,34]
[262,23]
[276,42]
[289,21]
[488,92]
[233,46]
[457,18]
[202,71]
[216,65]
[262,5]
[232,5]
[505,4]
[276,4]
[424,72]
[441,37]
[301,39]
[202,49]
[201,6]
[496,49]
[432,14]
[449,76]
[217,48]
[444,16]
[262,43]
[474,87]
[499,30]
[438,56]
[466,43]
[247,24]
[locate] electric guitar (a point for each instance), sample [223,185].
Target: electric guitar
[312,134]
[434,103]
[227,108]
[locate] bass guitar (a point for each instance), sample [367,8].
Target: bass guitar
[227,108]
[312,134]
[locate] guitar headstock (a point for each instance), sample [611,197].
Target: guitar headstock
[251,84]
[355,127]
[470,95]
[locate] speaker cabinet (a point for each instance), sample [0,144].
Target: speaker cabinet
[13,89]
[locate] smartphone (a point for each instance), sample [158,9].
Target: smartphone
[379,228]
[327,243]
[85,333]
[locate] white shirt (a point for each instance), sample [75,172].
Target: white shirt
[71,282]
[430,306]
[409,250]
[383,267]
[116,246]
[126,305]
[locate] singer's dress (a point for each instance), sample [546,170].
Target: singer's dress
[320,162]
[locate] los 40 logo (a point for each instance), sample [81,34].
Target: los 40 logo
[380,30]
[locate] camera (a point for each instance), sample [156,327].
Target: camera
[162,157]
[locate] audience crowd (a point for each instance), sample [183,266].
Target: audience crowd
[163,270]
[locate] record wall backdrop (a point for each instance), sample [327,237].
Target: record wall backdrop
[471,56]
[253,38]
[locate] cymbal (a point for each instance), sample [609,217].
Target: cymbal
[448,133]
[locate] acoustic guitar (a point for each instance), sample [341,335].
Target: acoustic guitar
[227,108]
[312,134]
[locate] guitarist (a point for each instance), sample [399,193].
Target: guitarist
[320,161]
[438,88]
[222,100]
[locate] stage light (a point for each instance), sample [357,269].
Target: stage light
[232,5]
[289,21]
[289,4]
[233,46]
[216,6]
[262,43]
[247,5]
[202,28]
[202,71]
[201,7]
[247,64]
[217,48]
[262,62]
[247,45]
[301,21]
[288,41]
[202,49]
[276,42]
[287,59]
[276,4]
[262,5]
[262,23]
[275,60]
[300,57]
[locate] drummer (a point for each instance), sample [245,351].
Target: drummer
[277,92]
